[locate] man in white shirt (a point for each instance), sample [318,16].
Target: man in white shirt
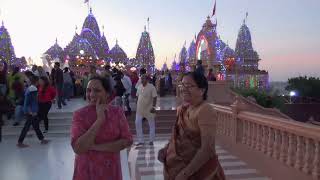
[147,99]
[126,81]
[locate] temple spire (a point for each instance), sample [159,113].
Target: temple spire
[102,30]
[56,40]
[90,10]
[145,28]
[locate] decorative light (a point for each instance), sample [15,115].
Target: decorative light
[293,93]
[82,52]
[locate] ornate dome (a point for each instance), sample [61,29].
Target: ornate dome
[104,46]
[72,44]
[175,66]
[183,55]
[208,25]
[145,54]
[117,54]
[227,52]
[192,51]
[244,43]
[93,39]
[83,48]
[92,24]
[56,51]
[6,48]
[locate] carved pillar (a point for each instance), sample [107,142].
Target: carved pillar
[283,147]
[290,150]
[244,132]
[306,159]
[298,162]
[264,145]
[316,170]
[276,144]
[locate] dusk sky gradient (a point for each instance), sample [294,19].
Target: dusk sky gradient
[285,33]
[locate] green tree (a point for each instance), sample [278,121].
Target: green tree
[305,86]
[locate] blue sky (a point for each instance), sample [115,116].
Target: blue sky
[285,33]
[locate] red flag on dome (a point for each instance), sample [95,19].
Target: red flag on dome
[214,9]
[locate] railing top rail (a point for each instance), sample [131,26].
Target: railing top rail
[294,127]
[221,108]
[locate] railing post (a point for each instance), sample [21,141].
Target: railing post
[306,159]
[236,123]
[316,161]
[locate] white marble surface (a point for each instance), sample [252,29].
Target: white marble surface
[53,161]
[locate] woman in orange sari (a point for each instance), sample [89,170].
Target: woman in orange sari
[190,153]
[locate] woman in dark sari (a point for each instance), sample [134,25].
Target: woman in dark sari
[190,153]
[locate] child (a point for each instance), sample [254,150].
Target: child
[30,108]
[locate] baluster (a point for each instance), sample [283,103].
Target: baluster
[276,144]
[290,150]
[283,147]
[249,134]
[244,133]
[252,134]
[298,162]
[258,137]
[269,143]
[306,158]
[218,123]
[316,167]
[225,125]
[264,145]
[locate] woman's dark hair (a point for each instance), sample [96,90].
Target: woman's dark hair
[66,69]
[104,82]
[46,84]
[201,82]
[34,79]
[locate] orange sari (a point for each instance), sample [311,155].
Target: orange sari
[181,149]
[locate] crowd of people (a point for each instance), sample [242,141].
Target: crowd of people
[29,96]
[100,130]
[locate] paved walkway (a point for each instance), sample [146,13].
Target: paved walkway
[55,160]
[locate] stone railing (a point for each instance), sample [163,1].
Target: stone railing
[292,143]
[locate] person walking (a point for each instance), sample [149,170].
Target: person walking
[58,81]
[46,95]
[67,84]
[30,108]
[126,81]
[147,99]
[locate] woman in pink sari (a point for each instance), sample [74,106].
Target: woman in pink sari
[190,153]
[99,132]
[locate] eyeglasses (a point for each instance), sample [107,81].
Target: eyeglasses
[187,86]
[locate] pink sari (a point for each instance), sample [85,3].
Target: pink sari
[95,165]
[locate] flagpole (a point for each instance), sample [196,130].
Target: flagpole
[148,24]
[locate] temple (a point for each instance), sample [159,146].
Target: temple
[240,66]
[91,48]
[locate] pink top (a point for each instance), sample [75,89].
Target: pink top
[94,165]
